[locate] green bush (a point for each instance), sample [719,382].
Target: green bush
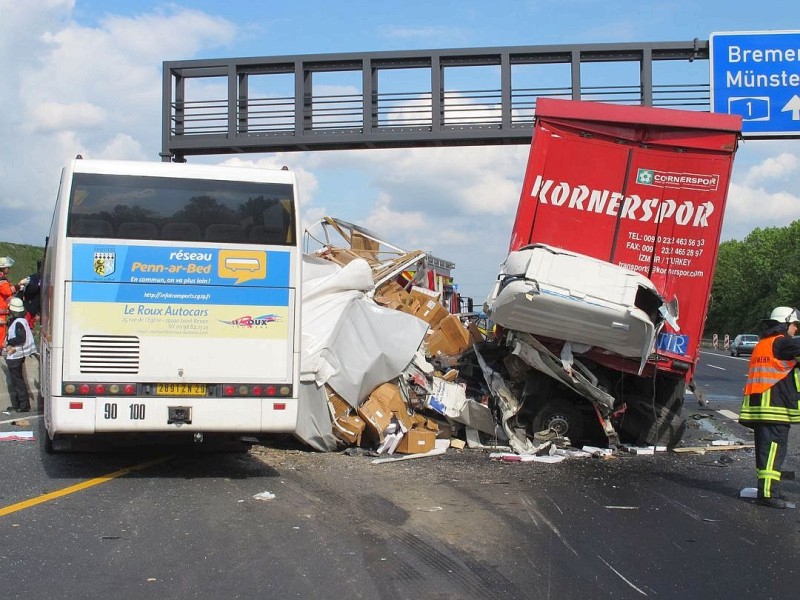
[25,258]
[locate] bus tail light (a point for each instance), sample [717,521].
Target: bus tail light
[257,390]
[99,389]
[241,390]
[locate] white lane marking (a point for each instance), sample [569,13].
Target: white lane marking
[621,576]
[729,413]
[716,367]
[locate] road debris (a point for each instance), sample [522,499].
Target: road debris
[264,496]
[17,436]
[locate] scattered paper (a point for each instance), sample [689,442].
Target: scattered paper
[748,492]
[511,457]
[19,436]
[595,451]
[265,496]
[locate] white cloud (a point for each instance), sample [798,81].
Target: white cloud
[54,116]
[750,207]
[68,89]
[394,223]
[775,168]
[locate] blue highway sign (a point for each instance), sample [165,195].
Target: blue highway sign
[756,74]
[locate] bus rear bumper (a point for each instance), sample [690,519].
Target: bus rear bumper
[89,415]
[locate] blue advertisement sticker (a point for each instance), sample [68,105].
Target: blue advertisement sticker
[176,265]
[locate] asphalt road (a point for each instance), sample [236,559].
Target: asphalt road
[181,524]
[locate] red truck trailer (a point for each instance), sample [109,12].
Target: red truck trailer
[643,189]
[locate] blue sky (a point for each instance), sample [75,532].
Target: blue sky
[84,76]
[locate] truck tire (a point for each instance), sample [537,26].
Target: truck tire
[644,426]
[562,416]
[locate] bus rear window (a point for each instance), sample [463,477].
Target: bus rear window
[161,208]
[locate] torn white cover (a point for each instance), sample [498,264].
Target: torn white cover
[348,341]
[314,420]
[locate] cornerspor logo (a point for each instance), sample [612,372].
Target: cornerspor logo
[644,177]
[692,181]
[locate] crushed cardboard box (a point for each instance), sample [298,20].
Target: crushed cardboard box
[345,425]
[383,403]
[449,338]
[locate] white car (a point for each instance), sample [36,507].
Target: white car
[743,344]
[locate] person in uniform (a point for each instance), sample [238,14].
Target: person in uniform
[31,295]
[7,291]
[771,396]
[19,344]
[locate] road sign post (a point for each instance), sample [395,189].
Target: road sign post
[756,75]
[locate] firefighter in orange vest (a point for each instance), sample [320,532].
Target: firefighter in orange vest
[771,396]
[7,291]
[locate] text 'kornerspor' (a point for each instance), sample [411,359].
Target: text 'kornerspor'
[616,204]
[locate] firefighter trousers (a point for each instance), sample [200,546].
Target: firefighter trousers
[771,440]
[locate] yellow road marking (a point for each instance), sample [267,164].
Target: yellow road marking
[7,510]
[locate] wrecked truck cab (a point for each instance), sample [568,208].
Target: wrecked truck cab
[565,316]
[555,293]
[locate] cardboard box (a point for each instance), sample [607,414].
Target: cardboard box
[349,428]
[384,402]
[417,441]
[450,338]
[430,310]
[447,398]
[338,406]
[425,293]
[391,292]
[376,416]
[340,256]
[364,247]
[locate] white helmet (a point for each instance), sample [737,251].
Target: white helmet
[785,314]
[16,305]
[6,262]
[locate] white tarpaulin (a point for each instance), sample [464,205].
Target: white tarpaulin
[348,341]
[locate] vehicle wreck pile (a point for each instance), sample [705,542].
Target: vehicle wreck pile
[386,366]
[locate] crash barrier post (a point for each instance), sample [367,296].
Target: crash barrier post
[715,341]
[727,342]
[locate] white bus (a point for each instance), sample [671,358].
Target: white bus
[171,302]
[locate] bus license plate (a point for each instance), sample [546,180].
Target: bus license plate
[180,389]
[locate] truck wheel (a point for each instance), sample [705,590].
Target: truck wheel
[561,416]
[646,425]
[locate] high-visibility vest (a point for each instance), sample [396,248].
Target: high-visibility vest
[765,370]
[28,347]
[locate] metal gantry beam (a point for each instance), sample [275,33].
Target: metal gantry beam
[401,99]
